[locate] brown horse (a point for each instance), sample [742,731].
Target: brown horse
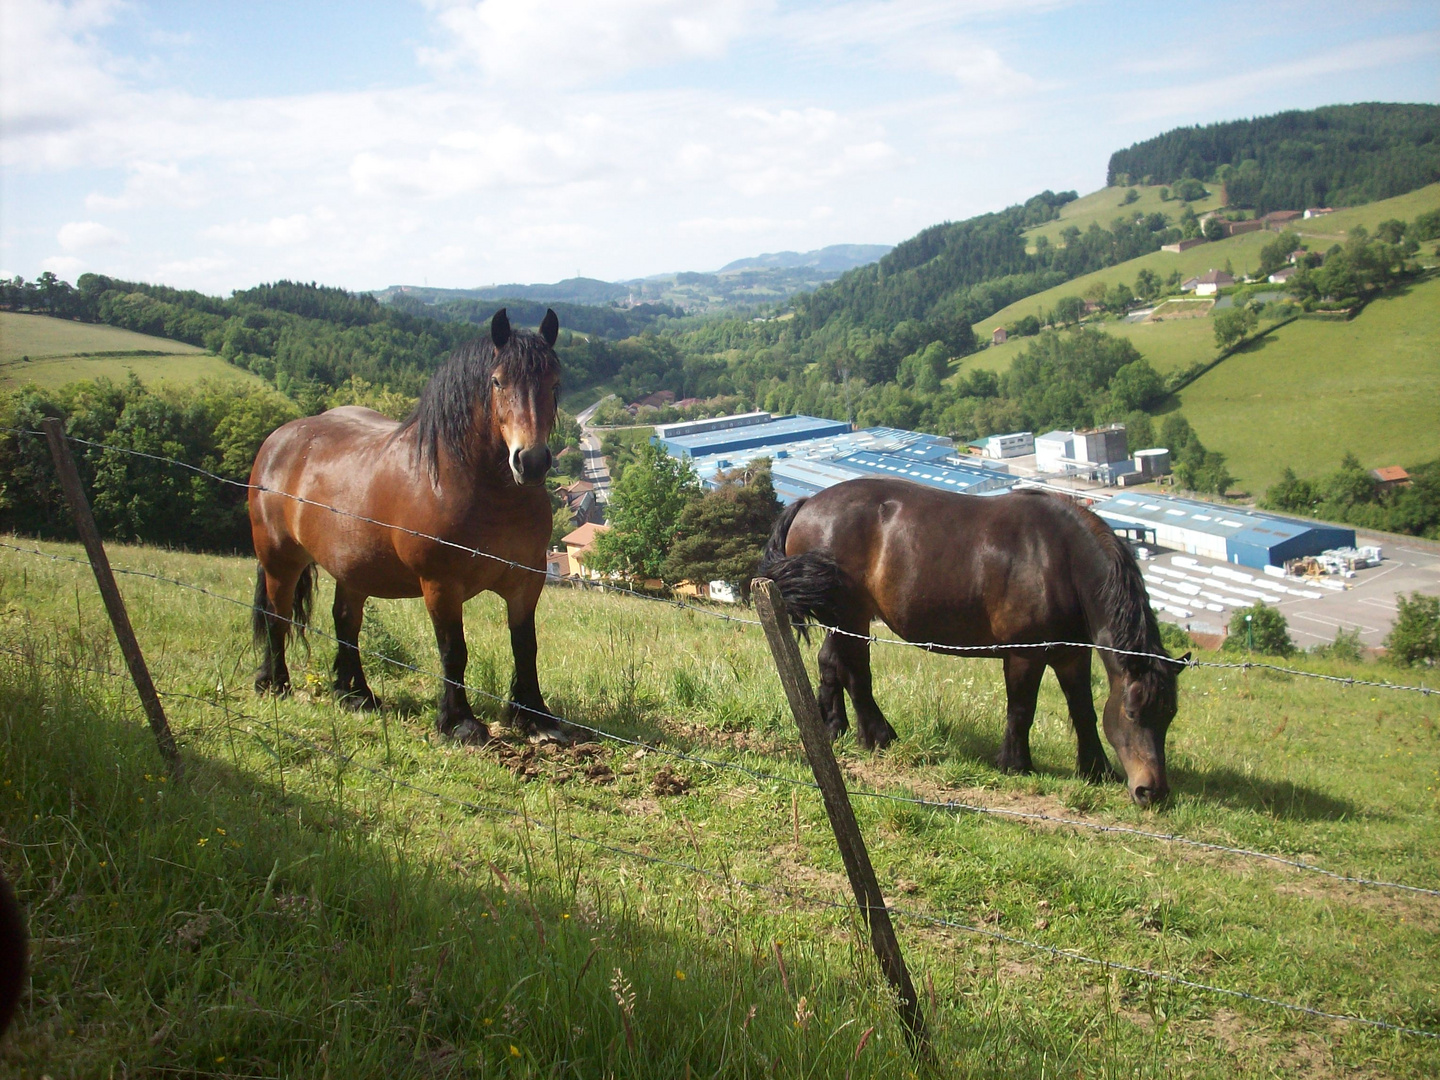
[468,466]
[971,571]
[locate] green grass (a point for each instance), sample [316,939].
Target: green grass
[286,912]
[1169,345]
[1335,227]
[1312,391]
[1104,206]
[52,352]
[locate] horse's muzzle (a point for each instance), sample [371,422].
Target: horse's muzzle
[530,466]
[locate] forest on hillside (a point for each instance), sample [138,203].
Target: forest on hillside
[1339,155]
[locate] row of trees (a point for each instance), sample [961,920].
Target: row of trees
[1353,495]
[1413,640]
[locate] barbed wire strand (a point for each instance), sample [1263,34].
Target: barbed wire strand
[787,892]
[927,646]
[950,806]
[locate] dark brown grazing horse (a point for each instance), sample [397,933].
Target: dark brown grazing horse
[467,466]
[14,949]
[964,570]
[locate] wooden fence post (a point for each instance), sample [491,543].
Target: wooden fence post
[114,604]
[816,740]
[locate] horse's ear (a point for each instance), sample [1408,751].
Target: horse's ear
[500,329]
[550,327]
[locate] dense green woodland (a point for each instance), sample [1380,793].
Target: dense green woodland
[1340,155]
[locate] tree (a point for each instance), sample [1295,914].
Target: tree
[1189,223]
[1131,195]
[1232,324]
[1260,629]
[1119,298]
[1277,252]
[644,515]
[562,524]
[1213,229]
[1136,386]
[1290,493]
[721,534]
[1069,309]
[1147,284]
[1414,640]
[1189,189]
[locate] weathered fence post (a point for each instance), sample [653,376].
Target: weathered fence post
[816,740]
[114,604]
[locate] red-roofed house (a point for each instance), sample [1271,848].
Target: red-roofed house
[1390,476]
[578,544]
[999,336]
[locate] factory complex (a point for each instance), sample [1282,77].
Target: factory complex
[809,454]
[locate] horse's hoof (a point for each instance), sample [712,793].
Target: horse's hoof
[1006,765]
[265,685]
[359,700]
[469,733]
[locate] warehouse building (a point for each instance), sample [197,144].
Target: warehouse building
[701,438]
[1246,537]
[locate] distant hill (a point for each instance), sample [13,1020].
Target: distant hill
[737,286]
[836,257]
[576,290]
[1339,155]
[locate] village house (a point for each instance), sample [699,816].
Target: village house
[1317,211]
[1212,281]
[580,543]
[999,336]
[1390,476]
[1284,274]
[579,499]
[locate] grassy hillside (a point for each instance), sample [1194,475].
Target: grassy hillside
[303,904]
[1169,345]
[52,352]
[1333,228]
[1104,206]
[1313,390]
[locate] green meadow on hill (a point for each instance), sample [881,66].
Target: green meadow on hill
[336,891]
[51,352]
[1104,206]
[1313,390]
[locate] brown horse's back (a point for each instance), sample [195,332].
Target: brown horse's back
[950,568]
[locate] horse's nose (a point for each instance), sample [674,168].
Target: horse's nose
[1145,795]
[530,466]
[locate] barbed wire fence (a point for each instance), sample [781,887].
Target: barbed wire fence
[757,774]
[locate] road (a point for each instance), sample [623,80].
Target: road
[597,470]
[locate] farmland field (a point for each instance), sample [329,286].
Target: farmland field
[1313,390]
[1169,345]
[52,352]
[344,894]
[1104,206]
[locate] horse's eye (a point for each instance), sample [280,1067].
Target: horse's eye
[495,381]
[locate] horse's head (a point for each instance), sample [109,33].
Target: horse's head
[524,393]
[1138,712]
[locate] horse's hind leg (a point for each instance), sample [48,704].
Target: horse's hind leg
[832,692]
[350,685]
[447,616]
[274,605]
[1072,668]
[1022,687]
[871,728]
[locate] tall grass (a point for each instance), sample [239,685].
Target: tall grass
[289,912]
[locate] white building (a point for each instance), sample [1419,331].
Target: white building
[1053,449]
[1016,444]
[1212,281]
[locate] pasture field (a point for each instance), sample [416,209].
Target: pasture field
[62,351]
[1104,206]
[1334,228]
[334,894]
[1242,251]
[1311,391]
[1169,345]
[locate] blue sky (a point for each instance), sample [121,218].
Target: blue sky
[216,145]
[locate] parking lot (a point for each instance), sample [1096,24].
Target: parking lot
[1314,613]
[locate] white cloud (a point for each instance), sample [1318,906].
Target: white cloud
[80,235]
[277,232]
[538,44]
[63,266]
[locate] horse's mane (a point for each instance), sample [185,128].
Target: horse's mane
[1121,604]
[445,414]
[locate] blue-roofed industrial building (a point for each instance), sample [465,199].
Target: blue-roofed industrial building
[1247,537]
[803,463]
[772,431]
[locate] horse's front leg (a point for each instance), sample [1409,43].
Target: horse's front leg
[447,609]
[527,709]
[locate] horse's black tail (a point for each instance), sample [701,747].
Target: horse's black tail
[261,608]
[811,583]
